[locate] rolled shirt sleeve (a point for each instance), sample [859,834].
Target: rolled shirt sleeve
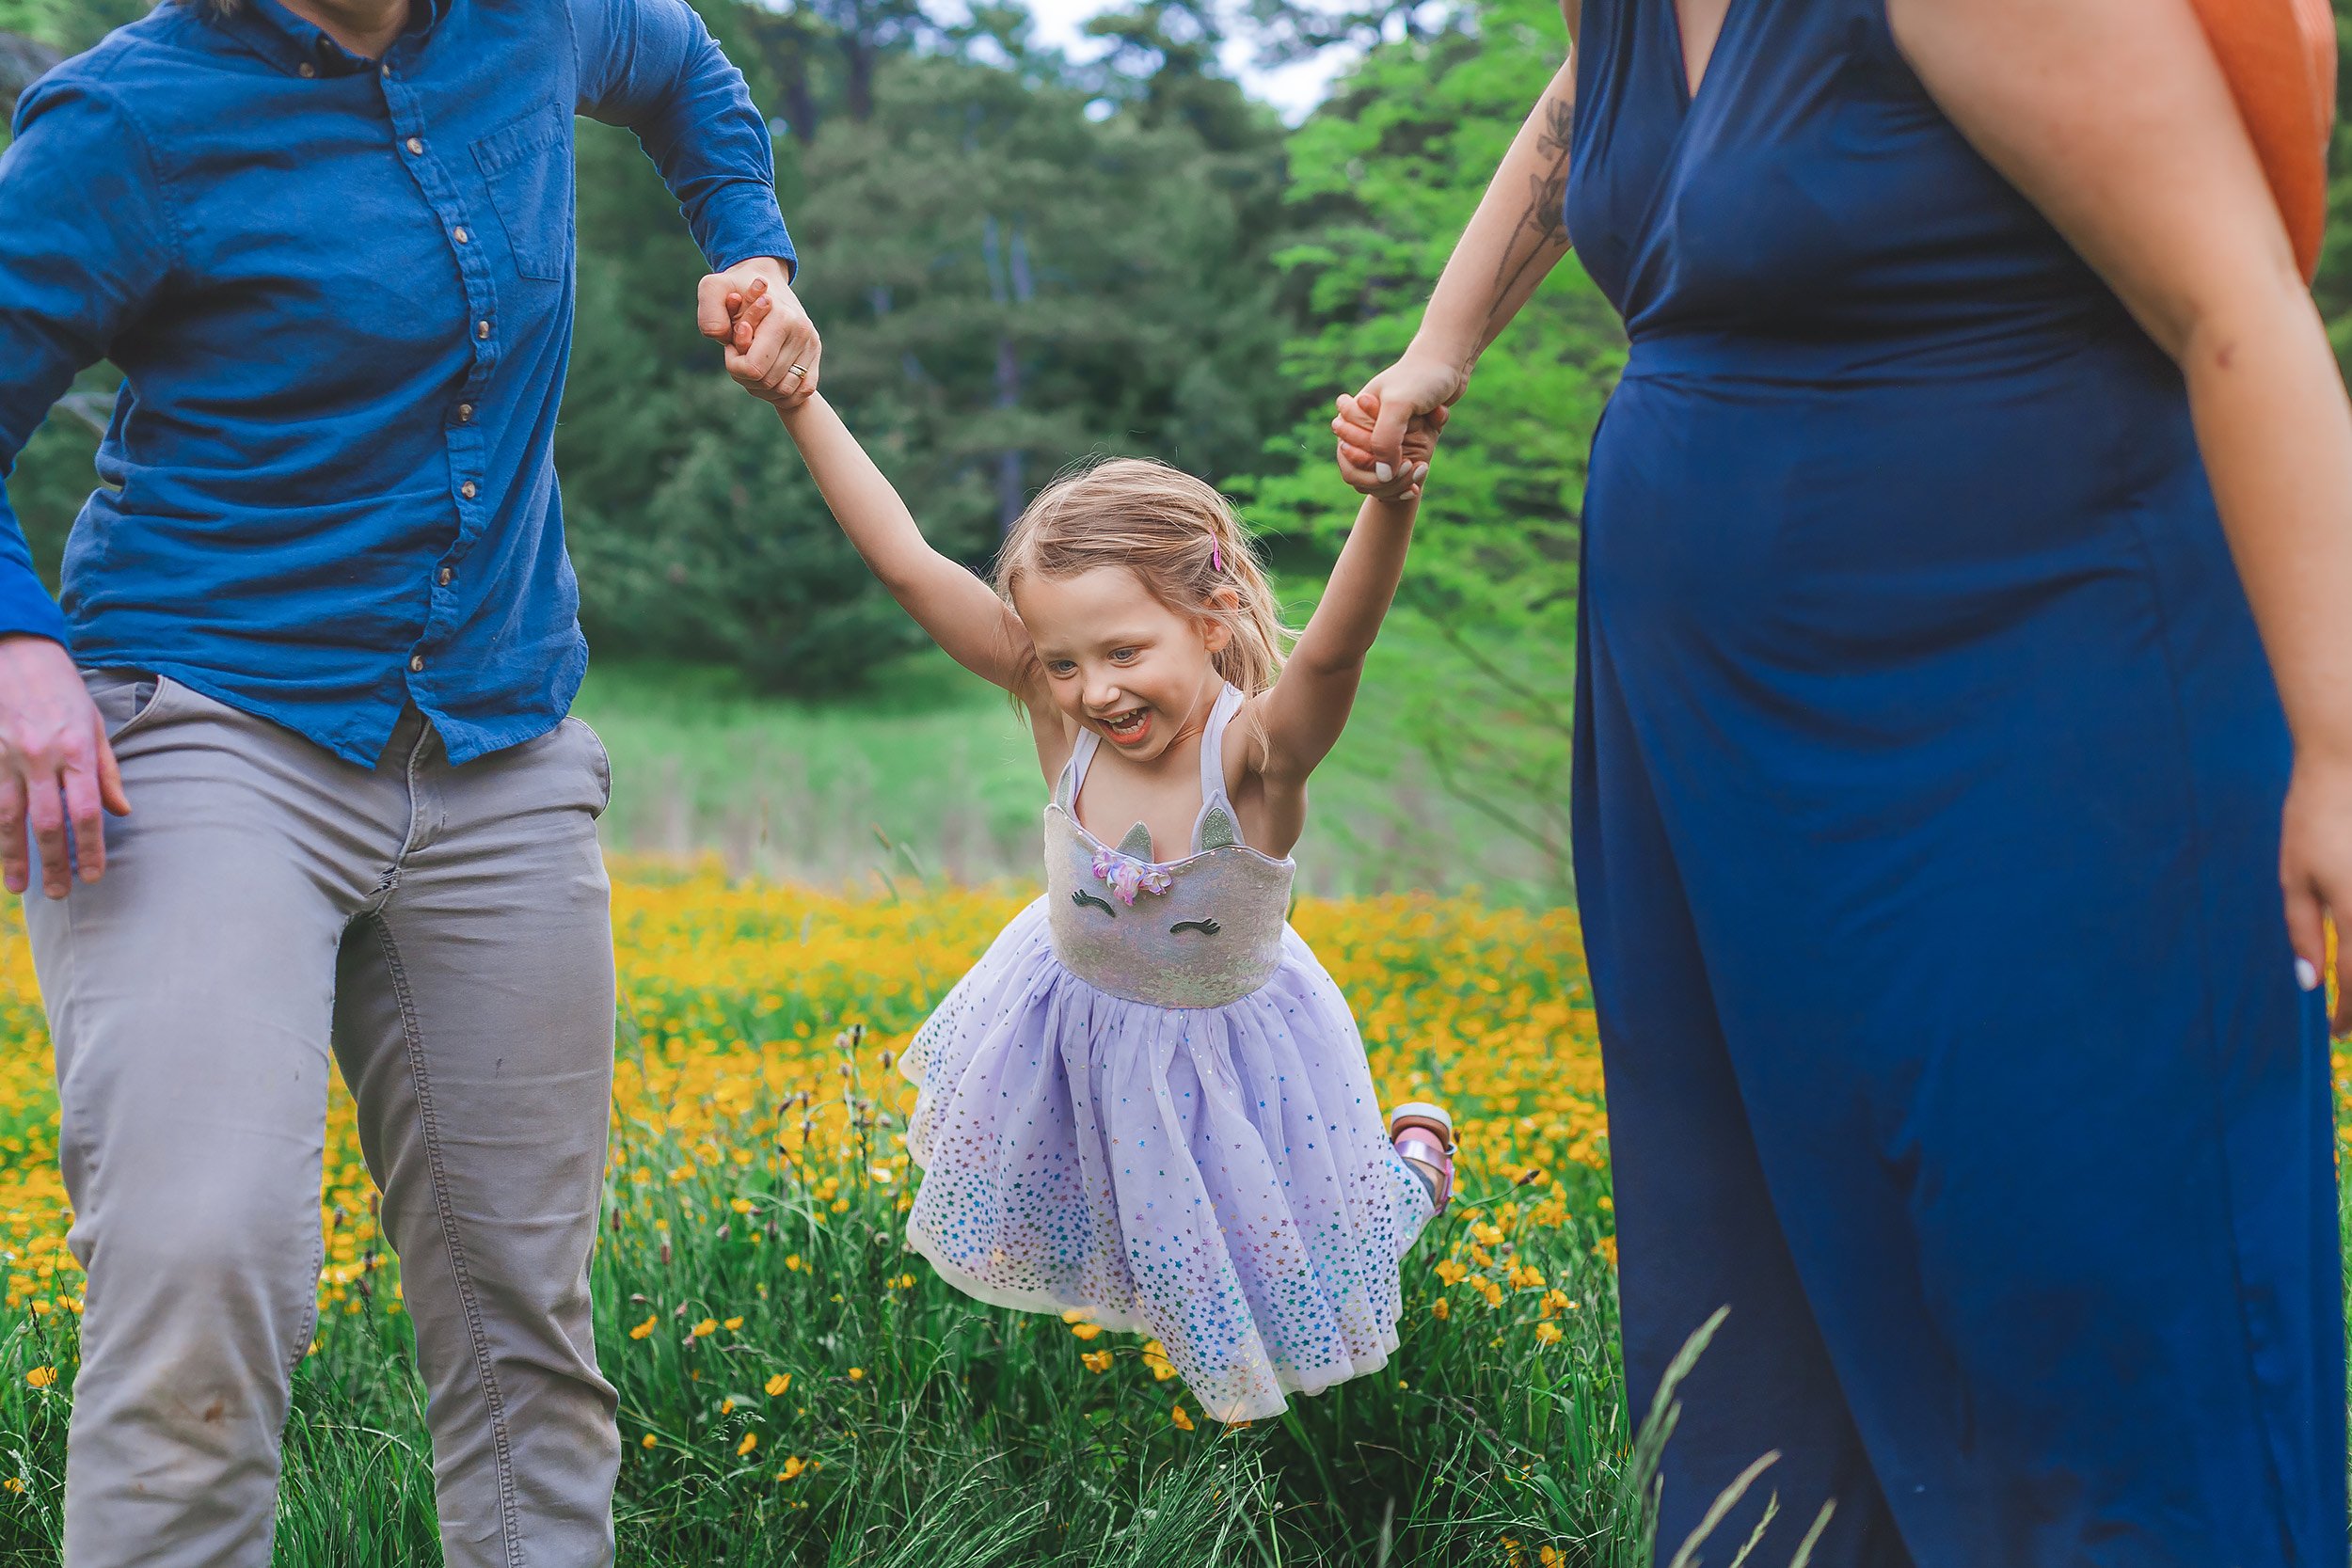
[85,242]
[652,67]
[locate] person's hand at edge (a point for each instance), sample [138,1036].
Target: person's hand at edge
[56,770]
[2315,870]
[778,361]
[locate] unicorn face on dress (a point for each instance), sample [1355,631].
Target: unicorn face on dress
[1119,662]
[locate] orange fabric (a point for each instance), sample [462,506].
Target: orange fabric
[2279,57]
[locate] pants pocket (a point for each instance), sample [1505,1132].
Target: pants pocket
[600,761]
[126,699]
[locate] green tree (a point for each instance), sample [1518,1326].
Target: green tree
[1390,171]
[1014,263]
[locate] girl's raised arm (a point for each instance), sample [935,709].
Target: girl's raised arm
[959,611]
[1308,707]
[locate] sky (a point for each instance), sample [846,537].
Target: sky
[1292,90]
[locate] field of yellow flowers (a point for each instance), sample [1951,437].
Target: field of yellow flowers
[796,1388]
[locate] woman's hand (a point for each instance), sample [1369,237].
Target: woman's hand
[2316,868]
[1391,406]
[1354,424]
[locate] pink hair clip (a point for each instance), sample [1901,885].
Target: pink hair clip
[1216,557]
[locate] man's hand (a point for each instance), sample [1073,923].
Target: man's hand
[55,768]
[777,361]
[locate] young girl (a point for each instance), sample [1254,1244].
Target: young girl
[1148,1102]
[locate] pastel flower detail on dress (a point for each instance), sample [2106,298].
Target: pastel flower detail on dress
[1128,875]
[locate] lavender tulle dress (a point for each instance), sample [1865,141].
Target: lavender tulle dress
[1149,1102]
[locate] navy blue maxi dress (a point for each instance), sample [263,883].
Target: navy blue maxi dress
[1929,783]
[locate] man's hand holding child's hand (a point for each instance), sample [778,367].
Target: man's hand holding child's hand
[772,349]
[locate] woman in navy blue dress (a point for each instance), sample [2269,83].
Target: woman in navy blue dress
[1931,774]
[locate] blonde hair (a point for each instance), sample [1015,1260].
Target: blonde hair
[1178,537]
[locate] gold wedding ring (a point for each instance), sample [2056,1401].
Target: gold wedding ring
[799,371]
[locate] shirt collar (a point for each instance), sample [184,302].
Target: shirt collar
[301,48]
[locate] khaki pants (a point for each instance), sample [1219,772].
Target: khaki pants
[448,931]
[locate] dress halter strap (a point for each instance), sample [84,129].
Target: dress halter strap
[1218,824]
[1074,772]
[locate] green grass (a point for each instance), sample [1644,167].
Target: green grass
[975,1438]
[936,757]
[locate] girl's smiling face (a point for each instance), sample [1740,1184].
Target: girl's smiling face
[1117,660]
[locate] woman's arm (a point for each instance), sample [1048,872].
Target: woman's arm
[1306,708]
[1517,235]
[2113,117]
[956,608]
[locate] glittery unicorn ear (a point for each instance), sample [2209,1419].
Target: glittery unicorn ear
[1137,846]
[1216,830]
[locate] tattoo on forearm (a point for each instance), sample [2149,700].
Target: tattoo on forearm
[1542,230]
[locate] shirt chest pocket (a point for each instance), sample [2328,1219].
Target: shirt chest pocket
[528,168]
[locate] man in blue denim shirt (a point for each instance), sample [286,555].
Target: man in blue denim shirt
[322,631]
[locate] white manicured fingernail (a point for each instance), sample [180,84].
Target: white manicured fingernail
[1384,472]
[1420,473]
[2306,974]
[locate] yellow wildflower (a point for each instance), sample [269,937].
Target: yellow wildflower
[649,1440]
[1184,1422]
[41,1377]
[1547,1334]
[1086,1331]
[734,1323]
[1451,1271]
[704,1329]
[778,1384]
[1096,1360]
[740,1205]
[1441,1309]
[857,1374]
[1155,1361]
[653,1320]
[751,1441]
[793,1465]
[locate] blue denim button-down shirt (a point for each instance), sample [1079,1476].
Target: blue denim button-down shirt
[340,293]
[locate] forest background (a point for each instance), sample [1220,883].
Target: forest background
[1019,259]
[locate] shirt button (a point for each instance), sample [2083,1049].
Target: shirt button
[464,413]
[416,664]
[387,73]
[468,490]
[446,575]
[305,71]
[462,236]
[415,146]
[481,330]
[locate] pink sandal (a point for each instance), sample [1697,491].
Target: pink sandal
[1423,1135]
